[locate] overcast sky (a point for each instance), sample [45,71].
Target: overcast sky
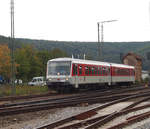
[76,20]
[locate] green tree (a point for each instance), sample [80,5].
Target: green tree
[56,52]
[33,62]
[29,64]
[44,56]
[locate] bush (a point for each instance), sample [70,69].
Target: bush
[23,90]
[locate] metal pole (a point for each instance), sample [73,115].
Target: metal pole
[12,49]
[102,32]
[99,46]
[98,31]
[102,40]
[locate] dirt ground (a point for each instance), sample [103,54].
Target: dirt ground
[23,120]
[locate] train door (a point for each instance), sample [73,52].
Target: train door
[110,75]
[106,75]
[75,73]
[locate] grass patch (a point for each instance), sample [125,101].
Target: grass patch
[5,90]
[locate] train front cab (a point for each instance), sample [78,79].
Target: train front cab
[59,74]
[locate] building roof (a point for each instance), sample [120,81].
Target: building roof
[133,54]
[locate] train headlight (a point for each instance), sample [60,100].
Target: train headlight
[67,79]
[49,79]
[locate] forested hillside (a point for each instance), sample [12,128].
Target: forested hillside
[111,50]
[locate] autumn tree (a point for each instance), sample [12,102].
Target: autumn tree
[5,62]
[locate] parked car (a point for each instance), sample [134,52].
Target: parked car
[1,80]
[18,81]
[37,81]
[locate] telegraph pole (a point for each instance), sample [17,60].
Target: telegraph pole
[102,37]
[12,49]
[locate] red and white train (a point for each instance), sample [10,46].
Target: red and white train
[76,73]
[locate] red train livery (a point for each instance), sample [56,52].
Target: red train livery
[76,73]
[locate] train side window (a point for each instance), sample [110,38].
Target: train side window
[101,71]
[86,70]
[116,71]
[128,73]
[108,68]
[132,72]
[113,71]
[119,72]
[92,70]
[75,69]
[96,70]
[104,70]
[80,70]
[124,72]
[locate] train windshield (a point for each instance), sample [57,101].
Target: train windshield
[59,68]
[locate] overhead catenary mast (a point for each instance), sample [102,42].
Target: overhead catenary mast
[102,37]
[12,48]
[149,11]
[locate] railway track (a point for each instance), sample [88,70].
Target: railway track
[97,97]
[15,98]
[101,92]
[91,119]
[56,97]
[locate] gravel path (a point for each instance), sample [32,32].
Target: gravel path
[36,119]
[145,124]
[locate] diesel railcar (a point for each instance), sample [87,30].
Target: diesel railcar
[77,73]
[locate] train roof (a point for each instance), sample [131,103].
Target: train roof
[91,62]
[81,61]
[121,65]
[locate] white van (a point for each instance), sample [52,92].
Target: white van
[37,81]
